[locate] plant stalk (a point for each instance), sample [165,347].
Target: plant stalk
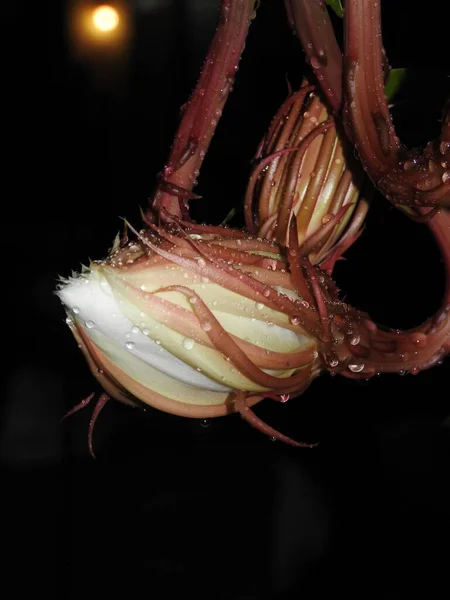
[203,110]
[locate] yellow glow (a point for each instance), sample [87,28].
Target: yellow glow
[105,18]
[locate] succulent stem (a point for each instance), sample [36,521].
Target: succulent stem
[310,20]
[203,110]
[406,177]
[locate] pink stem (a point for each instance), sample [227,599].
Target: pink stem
[422,347]
[311,21]
[412,178]
[274,434]
[204,108]
[95,413]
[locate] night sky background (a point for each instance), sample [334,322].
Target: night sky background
[175,507]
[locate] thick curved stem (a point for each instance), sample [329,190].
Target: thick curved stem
[416,349]
[203,110]
[311,21]
[414,178]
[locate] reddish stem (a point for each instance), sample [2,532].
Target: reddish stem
[311,21]
[204,108]
[417,349]
[413,178]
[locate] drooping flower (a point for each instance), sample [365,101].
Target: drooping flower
[199,324]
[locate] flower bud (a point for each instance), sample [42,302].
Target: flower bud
[305,170]
[185,321]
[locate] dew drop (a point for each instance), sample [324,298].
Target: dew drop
[158,342]
[90,324]
[294,320]
[354,341]
[356,367]
[266,293]
[76,310]
[446,177]
[188,343]
[304,304]
[193,299]
[69,321]
[315,62]
[129,345]
[333,362]
[206,326]
[201,263]
[425,184]
[443,147]
[135,329]
[145,331]
[205,422]
[142,287]
[419,339]
[259,306]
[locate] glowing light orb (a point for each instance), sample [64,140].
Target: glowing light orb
[105,18]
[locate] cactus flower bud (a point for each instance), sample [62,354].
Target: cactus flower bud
[305,170]
[185,322]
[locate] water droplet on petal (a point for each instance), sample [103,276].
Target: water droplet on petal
[69,321]
[188,343]
[205,422]
[129,345]
[76,310]
[90,324]
[135,329]
[259,306]
[294,320]
[206,326]
[354,341]
[446,177]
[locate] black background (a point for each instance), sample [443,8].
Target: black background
[176,506]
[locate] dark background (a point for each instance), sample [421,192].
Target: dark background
[176,506]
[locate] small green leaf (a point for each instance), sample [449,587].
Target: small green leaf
[394,82]
[229,216]
[336,6]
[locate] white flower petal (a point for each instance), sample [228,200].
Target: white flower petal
[92,302]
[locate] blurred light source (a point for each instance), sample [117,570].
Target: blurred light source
[105,18]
